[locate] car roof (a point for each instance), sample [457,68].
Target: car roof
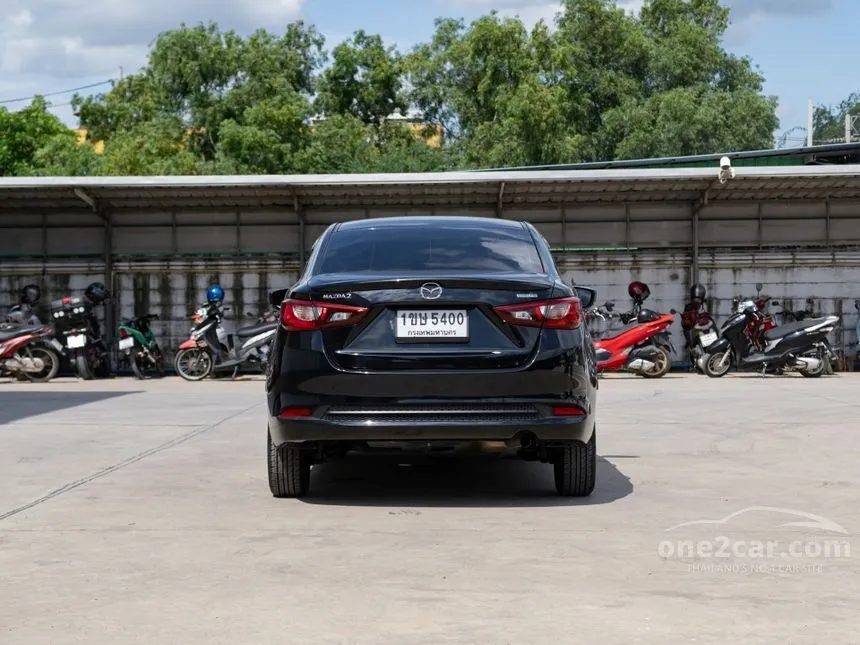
[446,221]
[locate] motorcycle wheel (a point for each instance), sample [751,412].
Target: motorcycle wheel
[663,363]
[137,367]
[51,360]
[712,365]
[821,356]
[104,368]
[159,361]
[193,364]
[82,367]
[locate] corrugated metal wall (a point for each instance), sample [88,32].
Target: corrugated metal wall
[162,261]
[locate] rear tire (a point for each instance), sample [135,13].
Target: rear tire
[663,363]
[50,358]
[82,366]
[139,371]
[193,354]
[821,369]
[289,470]
[712,365]
[575,468]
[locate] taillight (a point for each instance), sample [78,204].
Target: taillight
[123,333]
[291,413]
[305,315]
[567,411]
[560,313]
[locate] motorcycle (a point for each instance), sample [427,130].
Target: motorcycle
[138,343]
[699,327]
[800,346]
[644,347]
[211,349]
[78,326]
[27,351]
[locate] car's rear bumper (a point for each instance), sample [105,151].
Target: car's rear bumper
[549,430]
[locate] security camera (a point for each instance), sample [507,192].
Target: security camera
[726,170]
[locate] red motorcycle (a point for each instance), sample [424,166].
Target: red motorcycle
[26,351]
[643,347]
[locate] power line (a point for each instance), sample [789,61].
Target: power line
[74,89]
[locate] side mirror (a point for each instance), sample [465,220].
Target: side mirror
[609,305]
[673,311]
[759,286]
[586,296]
[277,297]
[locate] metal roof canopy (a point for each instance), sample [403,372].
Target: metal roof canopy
[491,189]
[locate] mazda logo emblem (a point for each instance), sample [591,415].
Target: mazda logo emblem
[430,291]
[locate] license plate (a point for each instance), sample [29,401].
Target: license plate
[708,339]
[56,345]
[126,343]
[77,341]
[432,324]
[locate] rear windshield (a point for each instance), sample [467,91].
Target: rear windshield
[392,249]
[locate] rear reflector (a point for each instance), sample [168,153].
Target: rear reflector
[306,315]
[559,313]
[290,413]
[567,411]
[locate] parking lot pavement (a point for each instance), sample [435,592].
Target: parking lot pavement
[138,512]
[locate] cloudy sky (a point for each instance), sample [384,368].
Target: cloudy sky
[48,46]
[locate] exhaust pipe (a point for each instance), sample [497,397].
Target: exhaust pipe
[807,363]
[25,364]
[641,365]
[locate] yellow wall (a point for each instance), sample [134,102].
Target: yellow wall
[81,134]
[420,130]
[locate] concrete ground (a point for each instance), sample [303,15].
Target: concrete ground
[139,513]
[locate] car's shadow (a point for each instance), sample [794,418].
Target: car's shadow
[18,405]
[453,481]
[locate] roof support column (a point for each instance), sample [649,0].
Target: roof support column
[760,210]
[827,223]
[564,228]
[103,212]
[500,201]
[698,205]
[694,269]
[239,232]
[300,215]
[627,226]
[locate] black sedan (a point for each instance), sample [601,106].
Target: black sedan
[432,332]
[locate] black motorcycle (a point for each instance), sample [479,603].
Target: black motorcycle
[211,350]
[78,328]
[800,346]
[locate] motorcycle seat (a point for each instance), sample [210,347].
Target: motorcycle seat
[253,330]
[14,332]
[612,332]
[784,330]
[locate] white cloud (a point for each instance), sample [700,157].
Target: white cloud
[746,15]
[48,45]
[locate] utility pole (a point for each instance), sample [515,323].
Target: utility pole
[121,75]
[810,123]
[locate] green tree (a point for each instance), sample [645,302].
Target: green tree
[604,85]
[206,79]
[63,155]
[364,80]
[24,133]
[829,121]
